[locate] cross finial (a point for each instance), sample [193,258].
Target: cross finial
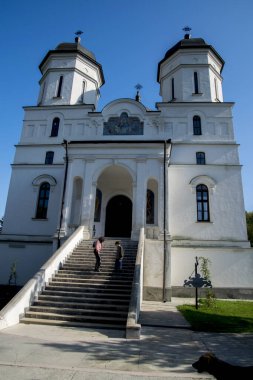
[78,33]
[138,88]
[187,30]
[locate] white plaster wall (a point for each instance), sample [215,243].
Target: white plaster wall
[216,154]
[229,267]
[153,264]
[227,223]
[90,95]
[176,67]
[28,258]
[22,202]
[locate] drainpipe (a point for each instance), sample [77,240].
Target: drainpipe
[166,253]
[65,143]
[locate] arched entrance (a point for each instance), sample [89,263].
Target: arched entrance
[118,221]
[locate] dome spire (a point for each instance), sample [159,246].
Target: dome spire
[187,30]
[138,96]
[78,38]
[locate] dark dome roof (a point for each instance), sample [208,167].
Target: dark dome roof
[76,47]
[189,43]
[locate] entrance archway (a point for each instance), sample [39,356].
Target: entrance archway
[118,221]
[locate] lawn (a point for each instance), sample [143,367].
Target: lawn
[223,316]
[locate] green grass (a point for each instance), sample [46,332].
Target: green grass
[224,316]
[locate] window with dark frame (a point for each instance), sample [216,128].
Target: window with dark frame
[197,125]
[202,203]
[55,127]
[49,158]
[150,207]
[200,158]
[43,198]
[59,87]
[196,83]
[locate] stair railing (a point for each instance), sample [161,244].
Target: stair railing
[133,329]
[11,313]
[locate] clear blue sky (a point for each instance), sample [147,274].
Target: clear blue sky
[129,38]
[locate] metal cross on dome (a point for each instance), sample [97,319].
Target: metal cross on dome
[187,29]
[138,87]
[78,33]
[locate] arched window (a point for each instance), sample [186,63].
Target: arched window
[150,207]
[49,158]
[42,205]
[55,127]
[97,213]
[202,203]
[200,158]
[197,125]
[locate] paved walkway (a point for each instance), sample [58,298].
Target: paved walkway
[34,352]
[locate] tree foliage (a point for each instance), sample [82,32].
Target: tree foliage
[249,220]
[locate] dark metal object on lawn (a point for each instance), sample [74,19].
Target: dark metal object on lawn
[197,282]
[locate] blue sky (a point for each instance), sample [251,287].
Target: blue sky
[129,38]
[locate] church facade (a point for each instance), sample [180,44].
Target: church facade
[173,171]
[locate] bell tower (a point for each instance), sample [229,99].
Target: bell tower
[191,72]
[70,75]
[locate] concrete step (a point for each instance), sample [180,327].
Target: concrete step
[79,296]
[125,273]
[119,297]
[49,299]
[55,322]
[89,289]
[75,318]
[75,311]
[99,280]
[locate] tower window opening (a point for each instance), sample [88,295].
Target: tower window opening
[197,125]
[49,158]
[58,94]
[55,127]
[172,89]
[83,91]
[196,83]
[216,89]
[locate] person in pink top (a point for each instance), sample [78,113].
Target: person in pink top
[97,251]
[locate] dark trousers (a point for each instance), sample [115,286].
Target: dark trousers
[98,260]
[118,264]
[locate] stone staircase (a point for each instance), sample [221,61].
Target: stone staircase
[79,296]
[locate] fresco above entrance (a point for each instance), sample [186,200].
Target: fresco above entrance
[123,125]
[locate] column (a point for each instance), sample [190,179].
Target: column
[140,197]
[89,193]
[75,170]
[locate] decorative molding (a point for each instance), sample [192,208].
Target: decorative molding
[202,179]
[44,178]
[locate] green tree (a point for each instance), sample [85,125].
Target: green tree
[249,220]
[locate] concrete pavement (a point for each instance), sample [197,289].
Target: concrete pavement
[167,349]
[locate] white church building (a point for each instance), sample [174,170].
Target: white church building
[173,171]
